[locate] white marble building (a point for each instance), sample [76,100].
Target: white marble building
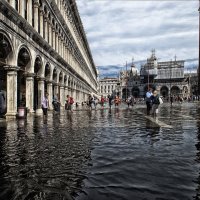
[108,86]
[43,47]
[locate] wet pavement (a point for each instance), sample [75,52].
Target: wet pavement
[103,155]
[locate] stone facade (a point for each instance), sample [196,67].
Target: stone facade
[43,48]
[108,86]
[167,77]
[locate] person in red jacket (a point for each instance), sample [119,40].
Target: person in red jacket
[102,101]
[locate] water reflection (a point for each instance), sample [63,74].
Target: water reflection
[104,154]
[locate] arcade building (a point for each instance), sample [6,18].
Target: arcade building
[43,48]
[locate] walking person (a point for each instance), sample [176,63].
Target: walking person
[71,103]
[155,103]
[117,101]
[90,101]
[56,103]
[148,100]
[67,104]
[45,105]
[102,101]
[110,99]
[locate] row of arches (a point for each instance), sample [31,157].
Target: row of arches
[38,15]
[27,75]
[164,91]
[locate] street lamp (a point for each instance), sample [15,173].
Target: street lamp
[199,54]
[170,84]
[126,81]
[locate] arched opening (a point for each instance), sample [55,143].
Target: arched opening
[194,89]
[136,92]
[55,74]
[24,62]
[37,71]
[175,91]
[6,54]
[164,91]
[60,83]
[125,93]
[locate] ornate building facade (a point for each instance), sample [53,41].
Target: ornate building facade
[167,77]
[43,47]
[108,86]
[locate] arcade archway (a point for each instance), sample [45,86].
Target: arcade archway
[6,54]
[125,93]
[135,92]
[24,62]
[164,91]
[175,91]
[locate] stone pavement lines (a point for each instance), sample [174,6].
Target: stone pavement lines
[155,120]
[182,115]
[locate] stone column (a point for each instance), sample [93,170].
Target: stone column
[62,96]
[59,47]
[50,92]
[12,3]
[40,95]
[22,8]
[30,12]
[54,37]
[11,90]
[56,89]
[57,42]
[46,28]
[30,91]
[41,23]
[50,34]
[36,7]
[66,92]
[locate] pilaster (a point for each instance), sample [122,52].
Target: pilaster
[40,95]
[11,90]
[50,92]
[30,91]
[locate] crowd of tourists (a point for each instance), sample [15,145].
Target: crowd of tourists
[69,102]
[152,100]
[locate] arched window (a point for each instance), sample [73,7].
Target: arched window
[33,12]
[25,9]
[17,5]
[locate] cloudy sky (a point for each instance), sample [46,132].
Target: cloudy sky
[118,30]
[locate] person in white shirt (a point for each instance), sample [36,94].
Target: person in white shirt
[148,100]
[45,105]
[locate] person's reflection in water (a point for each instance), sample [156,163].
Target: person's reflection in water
[117,113]
[110,113]
[153,130]
[70,116]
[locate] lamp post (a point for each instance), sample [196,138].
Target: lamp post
[170,84]
[126,81]
[199,54]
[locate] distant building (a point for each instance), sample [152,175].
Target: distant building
[108,86]
[167,77]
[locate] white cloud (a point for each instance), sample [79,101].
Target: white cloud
[119,30]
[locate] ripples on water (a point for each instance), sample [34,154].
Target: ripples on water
[101,155]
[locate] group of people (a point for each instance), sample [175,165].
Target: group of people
[94,101]
[56,103]
[153,100]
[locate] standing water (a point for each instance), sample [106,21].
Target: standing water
[116,154]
